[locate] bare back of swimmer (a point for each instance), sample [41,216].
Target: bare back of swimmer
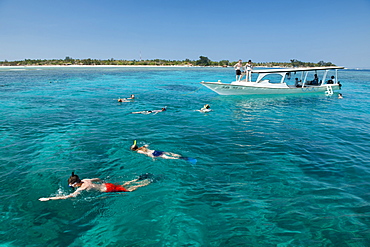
[154,153]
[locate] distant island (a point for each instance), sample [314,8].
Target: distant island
[202,61]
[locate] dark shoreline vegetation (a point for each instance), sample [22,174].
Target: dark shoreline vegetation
[202,61]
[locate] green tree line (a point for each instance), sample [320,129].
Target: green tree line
[202,61]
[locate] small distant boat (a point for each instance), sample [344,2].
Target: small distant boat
[282,81]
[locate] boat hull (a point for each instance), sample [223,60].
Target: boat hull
[231,89]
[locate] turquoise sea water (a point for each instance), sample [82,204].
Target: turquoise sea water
[271,171]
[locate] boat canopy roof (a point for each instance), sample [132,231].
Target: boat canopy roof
[282,70]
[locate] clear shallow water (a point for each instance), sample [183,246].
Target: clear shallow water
[271,171]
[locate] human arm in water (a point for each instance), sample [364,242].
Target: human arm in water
[74,194]
[85,184]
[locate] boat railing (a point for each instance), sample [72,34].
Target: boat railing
[305,72]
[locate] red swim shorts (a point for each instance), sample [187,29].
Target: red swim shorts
[115,188]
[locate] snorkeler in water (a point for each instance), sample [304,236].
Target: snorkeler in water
[159,154]
[149,112]
[96,184]
[153,153]
[126,99]
[205,108]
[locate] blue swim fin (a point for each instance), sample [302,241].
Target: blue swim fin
[192,161]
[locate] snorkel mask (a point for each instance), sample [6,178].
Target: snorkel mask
[73,180]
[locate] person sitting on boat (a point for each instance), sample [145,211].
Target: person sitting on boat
[332,80]
[248,70]
[205,108]
[238,71]
[127,99]
[297,82]
[315,80]
[149,112]
[96,184]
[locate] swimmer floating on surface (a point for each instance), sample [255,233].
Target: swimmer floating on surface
[205,108]
[149,112]
[126,99]
[159,154]
[96,184]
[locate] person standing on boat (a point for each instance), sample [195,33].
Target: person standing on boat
[238,71]
[248,70]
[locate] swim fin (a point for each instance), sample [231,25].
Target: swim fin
[192,161]
[146,176]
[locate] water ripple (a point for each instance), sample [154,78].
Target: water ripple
[271,171]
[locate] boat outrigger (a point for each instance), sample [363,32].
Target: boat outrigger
[282,81]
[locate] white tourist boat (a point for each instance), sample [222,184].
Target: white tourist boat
[282,81]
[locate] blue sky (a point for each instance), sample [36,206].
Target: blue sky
[311,31]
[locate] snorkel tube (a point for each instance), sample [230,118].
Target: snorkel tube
[134,146]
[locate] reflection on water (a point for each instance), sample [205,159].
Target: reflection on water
[276,170]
